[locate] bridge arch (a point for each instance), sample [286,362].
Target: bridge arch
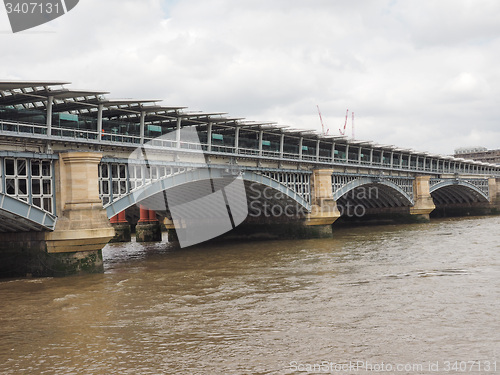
[373,192]
[20,216]
[160,186]
[458,191]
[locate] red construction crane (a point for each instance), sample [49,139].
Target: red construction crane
[342,131]
[322,126]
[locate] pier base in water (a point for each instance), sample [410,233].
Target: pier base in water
[28,253]
[122,233]
[148,232]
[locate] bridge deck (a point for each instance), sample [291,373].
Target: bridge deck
[52,113]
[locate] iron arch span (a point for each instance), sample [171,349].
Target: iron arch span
[258,188]
[372,193]
[19,216]
[457,192]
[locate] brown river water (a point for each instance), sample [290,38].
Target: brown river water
[405,299]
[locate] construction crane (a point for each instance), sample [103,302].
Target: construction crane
[342,130]
[322,126]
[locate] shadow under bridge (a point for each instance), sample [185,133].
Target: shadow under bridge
[356,196]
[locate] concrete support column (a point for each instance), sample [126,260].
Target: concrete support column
[122,228]
[424,204]
[148,229]
[323,207]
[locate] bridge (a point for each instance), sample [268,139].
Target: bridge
[78,169]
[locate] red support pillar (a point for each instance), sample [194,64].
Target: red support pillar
[152,216]
[144,215]
[122,228]
[121,218]
[148,229]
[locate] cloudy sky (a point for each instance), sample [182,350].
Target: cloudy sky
[420,74]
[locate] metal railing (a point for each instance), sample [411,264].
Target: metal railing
[35,130]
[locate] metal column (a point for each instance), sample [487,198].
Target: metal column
[178,133]
[143,116]
[50,101]
[99,122]
[209,137]
[261,136]
[236,139]
[282,144]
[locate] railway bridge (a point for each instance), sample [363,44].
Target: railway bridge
[78,169]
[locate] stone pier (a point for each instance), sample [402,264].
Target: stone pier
[324,210]
[424,204]
[494,187]
[82,227]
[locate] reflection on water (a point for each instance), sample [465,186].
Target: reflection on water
[390,294]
